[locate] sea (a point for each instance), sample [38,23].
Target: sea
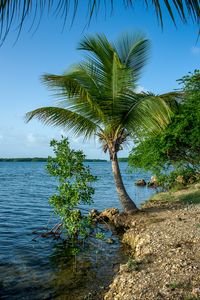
[33,267]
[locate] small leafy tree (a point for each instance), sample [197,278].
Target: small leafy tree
[74,187]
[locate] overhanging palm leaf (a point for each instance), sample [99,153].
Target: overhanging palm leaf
[98,97]
[17,12]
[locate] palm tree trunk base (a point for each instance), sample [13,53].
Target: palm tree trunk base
[126,202]
[129,206]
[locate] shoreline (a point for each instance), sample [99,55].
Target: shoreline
[42,159]
[164,241]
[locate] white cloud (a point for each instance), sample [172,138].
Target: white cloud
[140,89]
[33,139]
[195,50]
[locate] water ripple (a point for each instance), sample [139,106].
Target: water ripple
[38,269]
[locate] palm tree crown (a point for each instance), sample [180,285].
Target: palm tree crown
[98,96]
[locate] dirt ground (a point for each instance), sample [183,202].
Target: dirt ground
[164,238]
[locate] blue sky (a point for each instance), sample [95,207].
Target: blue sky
[174,53]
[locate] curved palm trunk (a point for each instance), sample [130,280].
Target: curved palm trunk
[126,202]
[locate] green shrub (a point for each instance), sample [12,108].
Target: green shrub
[74,187]
[178,178]
[173,155]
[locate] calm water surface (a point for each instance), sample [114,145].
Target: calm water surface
[43,269]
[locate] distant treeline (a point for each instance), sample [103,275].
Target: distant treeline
[123,159]
[26,159]
[39,159]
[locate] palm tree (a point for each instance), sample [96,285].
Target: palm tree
[98,97]
[18,12]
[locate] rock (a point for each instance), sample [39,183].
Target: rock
[180,179]
[94,213]
[140,182]
[110,241]
[192,179]
[142,246]
[108,214]
[197,186]
[129,238]
[154,179]
[122,221]
[139,243]
[153,182]
[196,292]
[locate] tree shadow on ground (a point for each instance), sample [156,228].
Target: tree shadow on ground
[192,198]
[171,201]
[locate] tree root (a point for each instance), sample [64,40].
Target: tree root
[54,232]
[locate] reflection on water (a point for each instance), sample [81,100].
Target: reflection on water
[61,274]
[44,269]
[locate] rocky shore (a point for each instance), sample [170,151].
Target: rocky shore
[164,241]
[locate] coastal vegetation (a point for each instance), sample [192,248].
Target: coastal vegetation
[174,154]
[17,12]
[99,97]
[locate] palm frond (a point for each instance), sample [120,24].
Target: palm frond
[115,76]
[133,51]
[149,112]
[100,50]
[173,99]
[77,89]
[66,119]
[17,12]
